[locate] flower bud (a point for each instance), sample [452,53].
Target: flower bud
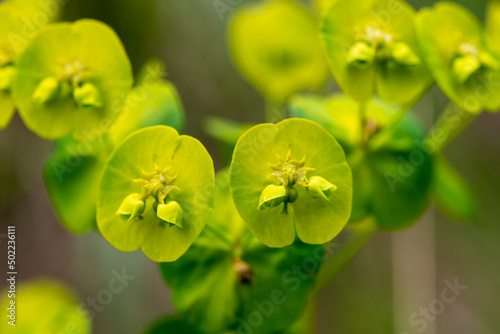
[404,55]
[6,75]
[131,207]
[320,188]
[47,90]
[464,67]
[170,212]
[87,95]
[361,55]
[272,196]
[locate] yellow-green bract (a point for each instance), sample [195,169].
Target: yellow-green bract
[465,65]
[276,47]
[72,79]
[372,48]
[288,154]
[44,306]
[162,167]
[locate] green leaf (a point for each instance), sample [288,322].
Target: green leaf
[275,46]
[172,325]
[372,50]
[44,306]
[465,65]
[71,177]
[165,167]
[452,193]
[225,130]
[86,53]
[391,182]
[287,154]
[228,277]
[153,101]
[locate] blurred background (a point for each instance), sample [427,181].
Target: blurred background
[393,277]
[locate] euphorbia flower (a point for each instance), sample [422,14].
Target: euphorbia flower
[155,193]
[276,47]
[291,178]
[374,50]
[466,66]
[72,79]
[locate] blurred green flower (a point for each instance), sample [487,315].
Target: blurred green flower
[372,48]
[465,64]
[275,46]
[44,306]
[71,79]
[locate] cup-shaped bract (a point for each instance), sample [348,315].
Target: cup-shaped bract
[275,46]
[162,166]
[71,175]
[88,62]
[216,283]
[457,52]
[392,182]
[43,306]
[289,154]
[372,48]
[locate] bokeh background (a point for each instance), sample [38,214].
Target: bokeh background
[394,276]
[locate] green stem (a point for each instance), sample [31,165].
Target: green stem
[274,112]
[380,137]
[362,232]
[452,121]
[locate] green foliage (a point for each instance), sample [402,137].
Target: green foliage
[466,66]
[153,101]
[392,182]
[44,306]
[275,46]
[227,279]
[370,53]
[288,154]
[72,79]
[162,167]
